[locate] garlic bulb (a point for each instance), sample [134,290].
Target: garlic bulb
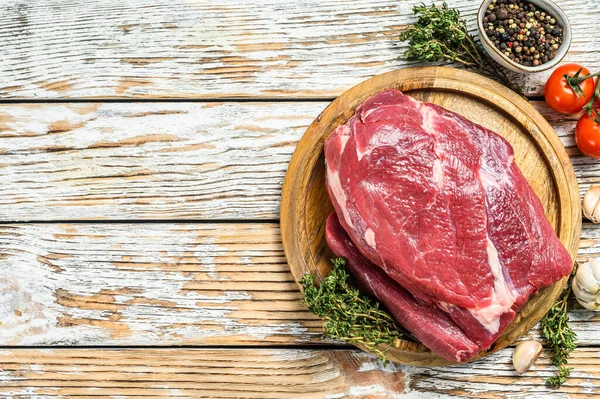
[586,284]
[525,354]
[591,203]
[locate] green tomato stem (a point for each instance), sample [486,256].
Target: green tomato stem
[589,107]
[576,80]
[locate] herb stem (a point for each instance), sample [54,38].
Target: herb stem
[458,59]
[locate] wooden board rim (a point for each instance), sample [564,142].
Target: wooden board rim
[450,79]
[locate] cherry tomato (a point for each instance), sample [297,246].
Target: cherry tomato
[587,134]
[559,95]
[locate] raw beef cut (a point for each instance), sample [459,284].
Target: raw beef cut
[438,203]
[429,324]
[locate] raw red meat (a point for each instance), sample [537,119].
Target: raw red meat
[439,204]
[424,320]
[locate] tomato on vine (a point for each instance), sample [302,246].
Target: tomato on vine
[566,91]
[587,133]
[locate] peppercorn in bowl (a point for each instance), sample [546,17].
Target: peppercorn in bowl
[524,36]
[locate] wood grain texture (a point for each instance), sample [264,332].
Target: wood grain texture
[541,157]
[199,49]
[156,284]
[199,284]
[147,161]
[277,374]
[90,161]
[167,284]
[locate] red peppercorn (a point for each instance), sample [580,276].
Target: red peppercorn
[510,44]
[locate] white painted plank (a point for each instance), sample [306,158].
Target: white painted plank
[233,48]
[167,284]
[92,161]
[147,160]
[275,373]
[148,284]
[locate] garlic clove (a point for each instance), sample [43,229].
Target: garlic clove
[582,294]
[586,284]
[585,299]
[595,264]
[591,203]
[587,276]
[525,355]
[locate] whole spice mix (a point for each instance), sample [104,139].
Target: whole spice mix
[523,32]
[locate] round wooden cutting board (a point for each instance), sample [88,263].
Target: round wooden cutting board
[539,154]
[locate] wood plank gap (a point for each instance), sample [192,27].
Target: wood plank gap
[143,221]
[185,100]
[166,100]
[305,346]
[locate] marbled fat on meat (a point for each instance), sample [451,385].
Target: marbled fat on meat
[438,203]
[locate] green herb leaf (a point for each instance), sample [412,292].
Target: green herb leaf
[560,378]
[560,337]
[347,314]
[440,34]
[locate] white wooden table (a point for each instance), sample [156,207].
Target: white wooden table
[143,145]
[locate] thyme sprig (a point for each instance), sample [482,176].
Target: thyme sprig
[347,314]
[355,318]
[441,34]
[560,337]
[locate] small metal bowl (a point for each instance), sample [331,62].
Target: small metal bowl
[500,58]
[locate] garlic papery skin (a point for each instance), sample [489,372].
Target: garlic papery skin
[525,354]
[586,284]
[591,204]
